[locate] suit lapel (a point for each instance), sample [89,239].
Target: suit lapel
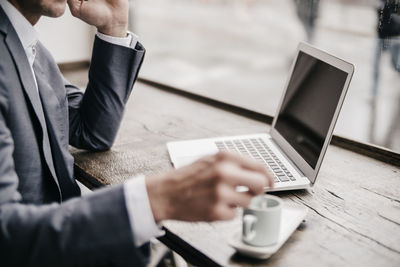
[21,61]
[28,84]
[25,74]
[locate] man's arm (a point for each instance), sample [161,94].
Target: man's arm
[95,116]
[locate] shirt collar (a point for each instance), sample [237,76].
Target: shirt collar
[25,31]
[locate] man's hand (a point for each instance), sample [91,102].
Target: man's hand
[108,16]
[206,189]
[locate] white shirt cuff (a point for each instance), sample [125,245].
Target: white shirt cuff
[139,211]
[130,40]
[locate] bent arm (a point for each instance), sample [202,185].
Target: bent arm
[95,116]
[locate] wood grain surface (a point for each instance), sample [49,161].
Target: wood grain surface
[354,217]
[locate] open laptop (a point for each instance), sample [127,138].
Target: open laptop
[301,130]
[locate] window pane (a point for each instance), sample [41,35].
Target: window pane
[240,52]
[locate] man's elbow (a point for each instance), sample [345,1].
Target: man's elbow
[92,143]
[100,147]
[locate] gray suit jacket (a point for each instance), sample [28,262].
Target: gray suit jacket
[43,219]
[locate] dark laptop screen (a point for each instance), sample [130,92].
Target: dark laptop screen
[309,105]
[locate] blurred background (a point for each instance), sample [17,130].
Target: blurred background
[240,52]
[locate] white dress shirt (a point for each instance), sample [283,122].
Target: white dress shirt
[136,199]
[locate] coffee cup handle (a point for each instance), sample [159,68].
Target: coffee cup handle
[248,227]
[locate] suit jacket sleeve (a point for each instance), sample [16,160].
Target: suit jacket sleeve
[87,231]
[95,116]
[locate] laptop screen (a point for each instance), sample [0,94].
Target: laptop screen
[309,105]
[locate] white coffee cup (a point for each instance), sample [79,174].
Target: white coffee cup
[262,221]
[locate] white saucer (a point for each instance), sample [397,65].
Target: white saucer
[292,216]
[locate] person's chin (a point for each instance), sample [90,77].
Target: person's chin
[56,10]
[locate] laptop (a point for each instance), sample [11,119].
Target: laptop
[301,130]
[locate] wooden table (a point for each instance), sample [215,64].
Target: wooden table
[354,217]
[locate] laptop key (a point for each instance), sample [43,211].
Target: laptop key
[258,150]
[283,178]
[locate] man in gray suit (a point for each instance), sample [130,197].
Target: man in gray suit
[44,221]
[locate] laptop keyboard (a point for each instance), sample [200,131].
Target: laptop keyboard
[257,149]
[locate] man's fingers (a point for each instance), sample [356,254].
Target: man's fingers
[249,164]
[234,175]
[239,199]
[228,200]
